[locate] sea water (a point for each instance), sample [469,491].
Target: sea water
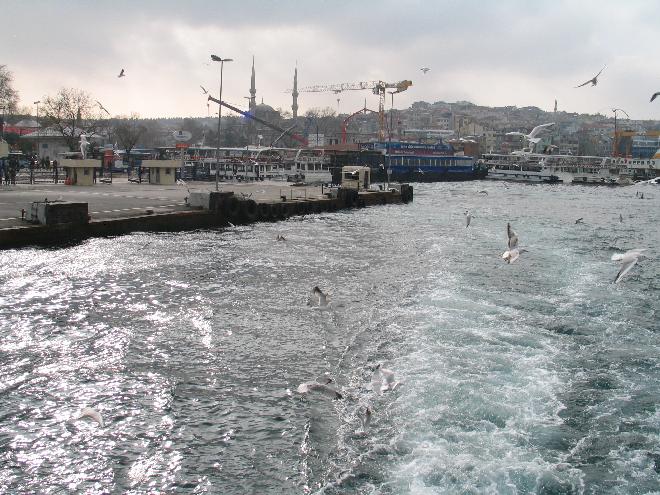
[542,376]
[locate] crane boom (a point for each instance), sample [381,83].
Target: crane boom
[288,132]
[377,87]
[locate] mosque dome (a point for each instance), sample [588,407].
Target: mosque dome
[263,108]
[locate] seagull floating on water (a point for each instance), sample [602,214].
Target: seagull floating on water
[468,218]
[628,260]
[121,74]
[512,253]
[88,412]
[320,387]
[620,218]
[365,418]
[319,298]
[593,80]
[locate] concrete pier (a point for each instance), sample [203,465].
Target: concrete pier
[124,207]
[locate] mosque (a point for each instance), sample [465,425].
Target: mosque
[258,134]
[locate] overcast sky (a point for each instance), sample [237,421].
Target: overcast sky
[495,53]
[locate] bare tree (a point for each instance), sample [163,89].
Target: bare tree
[8,95]
[128,132]
[72,112]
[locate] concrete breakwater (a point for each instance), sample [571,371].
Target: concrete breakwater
[206,210]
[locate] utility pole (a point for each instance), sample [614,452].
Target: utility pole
[222,61]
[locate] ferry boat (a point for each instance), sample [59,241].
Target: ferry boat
[416,162]
[525,166]
[243,164]
[519,167]
[312,166]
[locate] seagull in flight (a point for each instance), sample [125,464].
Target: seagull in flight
[203,89]
[531,137]
[512,253]
[628,260]
[121,74]
[655,95]
[102,107]
[425,69]
[321,387]
[593,80]
[383,380]
[579,220]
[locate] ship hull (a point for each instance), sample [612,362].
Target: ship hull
[429,174]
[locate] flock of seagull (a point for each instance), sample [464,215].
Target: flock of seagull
[512,253]
[383,380]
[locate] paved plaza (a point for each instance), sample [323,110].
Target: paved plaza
[125,199]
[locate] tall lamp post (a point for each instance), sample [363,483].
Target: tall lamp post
[38,130]
[222,61]
[2,130]
[616,136]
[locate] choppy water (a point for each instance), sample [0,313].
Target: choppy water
[536,377]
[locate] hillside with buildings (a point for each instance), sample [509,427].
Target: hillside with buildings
[422,122]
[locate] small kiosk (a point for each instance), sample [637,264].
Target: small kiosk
[355,177]
[79,172]
[162,172]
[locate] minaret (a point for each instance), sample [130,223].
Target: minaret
[253,90]
[294,107]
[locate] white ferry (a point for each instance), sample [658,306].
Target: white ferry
[525,166]
[312,166]
[519,167]
[245,164]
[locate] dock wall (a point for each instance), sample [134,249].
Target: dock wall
[223,209]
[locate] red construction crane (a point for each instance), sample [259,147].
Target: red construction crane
[378,88]
[344,124]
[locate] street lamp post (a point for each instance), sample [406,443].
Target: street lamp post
[222,61]
[38,130]
[2,130]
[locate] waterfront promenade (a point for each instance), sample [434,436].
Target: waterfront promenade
[122,198]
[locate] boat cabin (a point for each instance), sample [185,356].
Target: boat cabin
[355,177]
